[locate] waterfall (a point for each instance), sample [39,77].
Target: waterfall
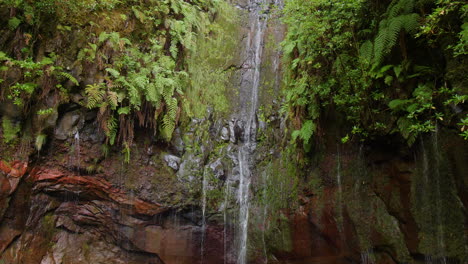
[432,184]
[243,207]
[204,189]
[254,49]
[367,257]
[339,202]
[440,229]
[227,193]
[75,157]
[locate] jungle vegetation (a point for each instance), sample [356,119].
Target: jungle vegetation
[389,67]
[137,63]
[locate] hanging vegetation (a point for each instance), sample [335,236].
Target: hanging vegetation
[128,59]
[389,67]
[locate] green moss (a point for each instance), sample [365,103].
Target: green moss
[10,130]
[48,229]
[209,64]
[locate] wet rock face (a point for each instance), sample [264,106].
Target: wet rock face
[84,218]
[225,134]
[68,125]
[172,161]
[10,176]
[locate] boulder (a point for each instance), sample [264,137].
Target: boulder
[172,161]
[68,125]
[224,134]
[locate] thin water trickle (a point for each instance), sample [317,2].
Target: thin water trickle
[340,194]
[75,156]
[367,257]
[227,193]
[440,230]
[244,207]
[204,189]
[432,179]
[265,214]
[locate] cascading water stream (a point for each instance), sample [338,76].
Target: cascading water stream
[339,206]
[440,230]
[243,207]
[254,50]
[204,189]
[75,157]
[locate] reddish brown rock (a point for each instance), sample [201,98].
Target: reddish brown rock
[15,169]
[90,188]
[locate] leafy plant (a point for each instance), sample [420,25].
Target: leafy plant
[40,141]
[464,127]
[10,130]
[371,63]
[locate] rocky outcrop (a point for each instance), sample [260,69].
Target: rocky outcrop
[10,176]
[69,216]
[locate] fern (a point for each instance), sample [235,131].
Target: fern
[10,130]
[153,93]
[399,7]
[69,77]
[366,51]
[113,72]
[306,132]
[111,129]
[398,19]
[139,15]
[112,99]
[95,95]
[169,118]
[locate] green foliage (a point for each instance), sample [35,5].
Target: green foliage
[126,153]
[209,65]
[40,141]
[372,63]
[464,127]
[14,22]
[34,74]
[305,133]
[409,124]
[390,29]
[47,111]
[461,48]
[68,76]
[317,31]
[10,130]
[95,94]
[144,52]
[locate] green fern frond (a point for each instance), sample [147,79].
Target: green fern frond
[113,72]
[111,129]
[153,93]
[112,99]
[95,95]
[399,7]
[389,31]
[306,131]
[139,15]
[103,37]
[169,119]
[69,77]
[10,130]
[366,51]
